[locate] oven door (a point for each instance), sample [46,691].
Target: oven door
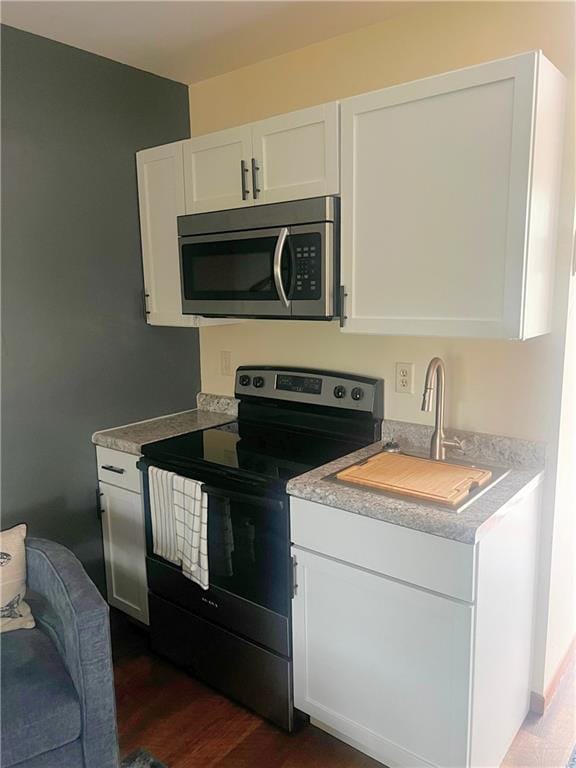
[280,272]
[248,547]
[248,563]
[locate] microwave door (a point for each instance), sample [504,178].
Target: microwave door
[315,276]
[245,273]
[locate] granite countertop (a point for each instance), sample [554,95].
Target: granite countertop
[525,460]
[467,526]
[213,411]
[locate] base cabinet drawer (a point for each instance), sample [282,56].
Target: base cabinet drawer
[427,561]
[385,665]
[254,622]
[118,468]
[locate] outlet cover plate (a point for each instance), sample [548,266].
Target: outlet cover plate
[405,378]
[225,363]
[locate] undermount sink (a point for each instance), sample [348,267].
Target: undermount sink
[497,474]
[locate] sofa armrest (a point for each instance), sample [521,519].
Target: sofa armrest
[72,612]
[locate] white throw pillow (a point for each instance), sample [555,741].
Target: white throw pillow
[15,613]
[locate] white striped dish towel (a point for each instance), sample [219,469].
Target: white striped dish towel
[191,514]
[162,514]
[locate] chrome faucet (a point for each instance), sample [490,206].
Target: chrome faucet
[439,441]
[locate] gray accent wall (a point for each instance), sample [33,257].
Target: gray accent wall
[77,355]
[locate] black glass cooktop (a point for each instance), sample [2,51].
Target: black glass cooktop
[259,450]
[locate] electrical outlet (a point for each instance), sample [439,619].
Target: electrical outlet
[226,363]
[405,378]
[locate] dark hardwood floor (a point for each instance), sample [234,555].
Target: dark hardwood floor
[187,725]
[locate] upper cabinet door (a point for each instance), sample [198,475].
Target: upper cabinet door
[449,198]
[161,197]
[296,155]
[217,170]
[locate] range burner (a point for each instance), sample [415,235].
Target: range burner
[273,455]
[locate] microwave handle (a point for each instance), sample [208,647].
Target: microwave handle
[278,251]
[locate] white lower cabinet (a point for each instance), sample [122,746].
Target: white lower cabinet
[386,662]
[382,662]
[124,550]
[124,539]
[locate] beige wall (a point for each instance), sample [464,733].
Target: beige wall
[500,387]
[561,605]
[416,42]
[509,388]
[491,387]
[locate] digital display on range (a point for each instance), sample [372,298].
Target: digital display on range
[311,385]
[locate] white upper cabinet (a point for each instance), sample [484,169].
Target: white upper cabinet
[449,201]
[161,199]
[288,157]
[296,155]
[217,170]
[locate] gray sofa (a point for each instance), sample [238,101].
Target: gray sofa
[57,703]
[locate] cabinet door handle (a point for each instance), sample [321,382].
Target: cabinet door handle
[294,576]
[243,172]
[112,468]
[255,188]
[343,316]
[99,509]
[145,297]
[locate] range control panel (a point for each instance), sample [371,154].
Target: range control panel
[308,277]
[325,388]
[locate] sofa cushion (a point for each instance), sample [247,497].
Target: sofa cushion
[40,710]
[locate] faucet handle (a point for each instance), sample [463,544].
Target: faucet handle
[454,442]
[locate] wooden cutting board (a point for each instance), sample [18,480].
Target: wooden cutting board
[420,478]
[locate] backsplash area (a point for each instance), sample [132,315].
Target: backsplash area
[476,446]
[485,380]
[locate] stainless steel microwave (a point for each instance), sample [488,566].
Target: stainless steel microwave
[278,261]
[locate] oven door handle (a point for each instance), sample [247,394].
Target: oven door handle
[145,463]
[278,251]
[219,493]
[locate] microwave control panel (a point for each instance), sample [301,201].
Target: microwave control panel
[308,259]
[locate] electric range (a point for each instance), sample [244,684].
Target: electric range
[236,636]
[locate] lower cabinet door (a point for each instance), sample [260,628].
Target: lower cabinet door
[382,665]
[125,550]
